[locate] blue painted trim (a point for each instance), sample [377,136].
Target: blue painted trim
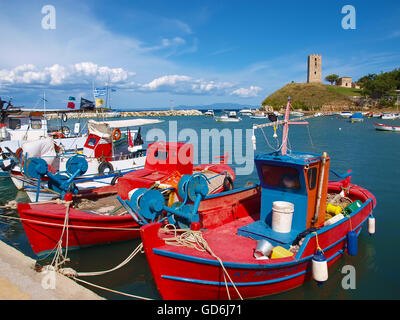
[245,284]
[184,257]
[327,228]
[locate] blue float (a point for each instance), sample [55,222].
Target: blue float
[352,246]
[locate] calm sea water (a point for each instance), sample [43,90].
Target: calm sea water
[373,156]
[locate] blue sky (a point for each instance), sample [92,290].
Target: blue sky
[188,52]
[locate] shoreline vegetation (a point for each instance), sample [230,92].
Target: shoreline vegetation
[315,97]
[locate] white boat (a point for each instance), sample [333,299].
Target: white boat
[385,127]
[389,116]
[19,128]
[296,113]
[345,114]
[231,117]
[246,112]
[108,153]
[318,114]
[209,113]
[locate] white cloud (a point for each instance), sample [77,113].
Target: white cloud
[181,84]
[246,93]
[62,77]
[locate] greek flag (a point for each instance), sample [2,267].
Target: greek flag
[99,92]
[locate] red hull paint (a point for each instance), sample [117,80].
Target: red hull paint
[184,273]
[43,226]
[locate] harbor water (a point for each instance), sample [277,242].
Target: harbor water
[372,155]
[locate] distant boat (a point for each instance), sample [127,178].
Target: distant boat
[356,117]
[296,113]
[259,116]
[231,117]
[389,116]
[345,114]
[384,127]
[376,115]
[209,113]
[246,112]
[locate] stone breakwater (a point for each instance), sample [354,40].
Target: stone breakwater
[125,114]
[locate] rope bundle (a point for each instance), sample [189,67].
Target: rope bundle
[195,240]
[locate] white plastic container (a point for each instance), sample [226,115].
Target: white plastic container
[282,216]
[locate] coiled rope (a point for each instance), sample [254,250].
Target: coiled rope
[195,240]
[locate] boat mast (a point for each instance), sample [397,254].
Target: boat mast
[286,128]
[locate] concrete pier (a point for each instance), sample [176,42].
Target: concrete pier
[19,281]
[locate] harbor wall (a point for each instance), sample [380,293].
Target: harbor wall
[125,114]
[19,280]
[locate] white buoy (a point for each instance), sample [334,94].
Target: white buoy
[253,138]
[371,225]
[319,267]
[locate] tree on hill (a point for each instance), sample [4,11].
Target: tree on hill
[332,78]
[378,86]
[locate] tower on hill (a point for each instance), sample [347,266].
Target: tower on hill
[314,74]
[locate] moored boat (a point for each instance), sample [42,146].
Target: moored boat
[246,112]
[230,117]
[104,215]
[385,127]
[389,116]
[356,117]
[263,239]
[109,152]
[345,114]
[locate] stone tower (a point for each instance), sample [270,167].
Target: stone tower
[314,68]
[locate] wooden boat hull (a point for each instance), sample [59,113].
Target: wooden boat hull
[43,225]
[183,273]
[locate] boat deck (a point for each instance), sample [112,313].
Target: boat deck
[225,244]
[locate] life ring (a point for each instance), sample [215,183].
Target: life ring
[116,134]
[64,117]
[228,183]
[105,165]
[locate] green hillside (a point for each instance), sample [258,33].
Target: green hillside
[310,96]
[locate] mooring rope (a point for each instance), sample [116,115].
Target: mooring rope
[111,290]
[195,240]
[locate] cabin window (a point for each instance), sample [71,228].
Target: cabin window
[283,177]
[14,123]
[312,177]
[161,155]
[36,124]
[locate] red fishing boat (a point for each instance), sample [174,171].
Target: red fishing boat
[257,240]
[101,215]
